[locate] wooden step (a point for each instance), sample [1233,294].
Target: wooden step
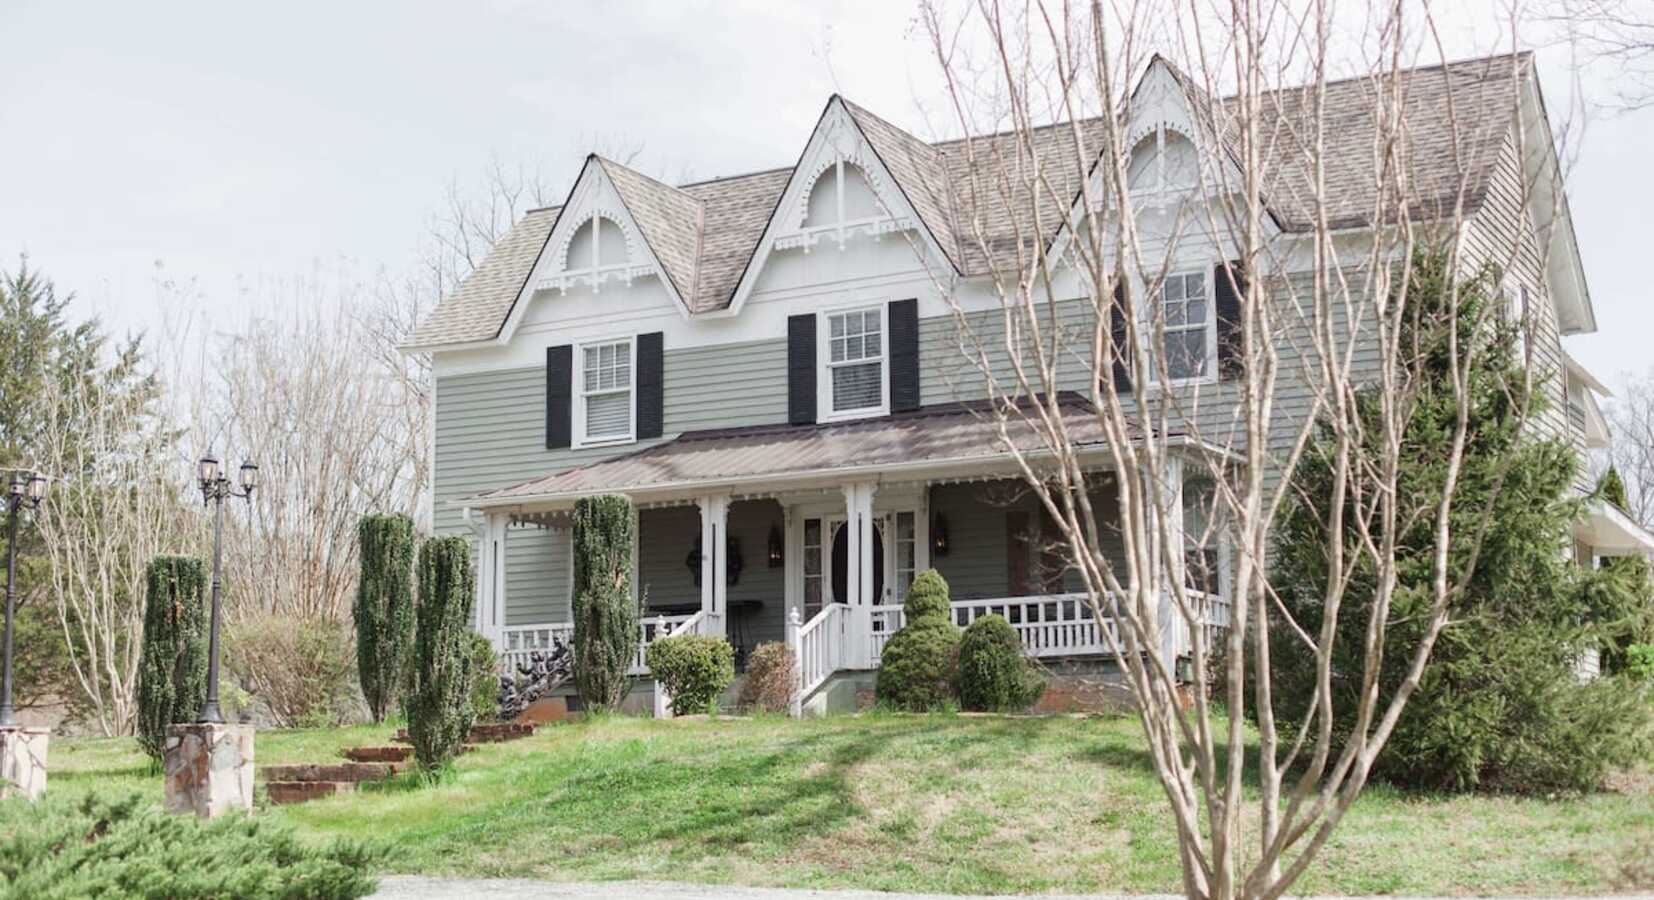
[491,733]
[282,793]
[348,771]
[386,754]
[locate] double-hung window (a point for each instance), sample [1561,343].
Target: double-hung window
[855,363]
[604,412]
[1516,313]
[1185,314]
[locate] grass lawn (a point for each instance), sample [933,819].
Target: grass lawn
[939,803]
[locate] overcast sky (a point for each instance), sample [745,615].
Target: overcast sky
[233,143]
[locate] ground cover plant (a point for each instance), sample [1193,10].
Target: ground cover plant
[955,804]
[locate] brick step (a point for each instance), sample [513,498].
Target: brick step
[282,793]
[348,771]
[388,754]
[492,733]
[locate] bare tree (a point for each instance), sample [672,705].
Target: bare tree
[1631,444]
[1234,156]
[1616,32]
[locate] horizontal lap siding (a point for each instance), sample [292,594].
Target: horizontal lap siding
[667,537]
[490,433]
[977,566]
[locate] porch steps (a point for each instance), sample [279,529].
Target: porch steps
[489,733]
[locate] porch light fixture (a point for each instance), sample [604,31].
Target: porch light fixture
[21,493]
[777,555]
[215,487]
[939,536]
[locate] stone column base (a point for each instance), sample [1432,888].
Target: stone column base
[209,769]
[23,761]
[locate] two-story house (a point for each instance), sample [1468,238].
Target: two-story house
[770,367]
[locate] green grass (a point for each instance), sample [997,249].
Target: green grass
[940,803]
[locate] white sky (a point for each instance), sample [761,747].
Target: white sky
[236,143]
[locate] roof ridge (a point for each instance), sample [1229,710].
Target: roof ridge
[607,162]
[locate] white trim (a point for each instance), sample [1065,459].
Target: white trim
[825,365]
[578,391]
[1157,335]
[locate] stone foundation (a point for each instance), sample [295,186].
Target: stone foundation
[209,769]
[23,761]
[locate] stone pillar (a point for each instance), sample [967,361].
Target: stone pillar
[23,761]
[209,769]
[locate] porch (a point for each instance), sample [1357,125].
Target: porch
[775,546]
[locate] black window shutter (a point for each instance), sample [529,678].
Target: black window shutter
[1117,331]
[559,405]
[801,369]
[904,355]
[650,389]
[1229,286]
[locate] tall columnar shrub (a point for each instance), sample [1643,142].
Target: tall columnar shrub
[605,615]
[172,666]
[1498,705]
[994,674]
[383,609]
[921,659]
[440,712]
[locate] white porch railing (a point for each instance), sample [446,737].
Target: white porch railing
[822,645]
[519,642]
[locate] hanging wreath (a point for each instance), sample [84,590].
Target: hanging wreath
[732,564]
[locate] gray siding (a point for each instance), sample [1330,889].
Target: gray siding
[490,433]
[665,539]
[977,565]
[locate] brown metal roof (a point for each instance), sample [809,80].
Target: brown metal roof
[963,434]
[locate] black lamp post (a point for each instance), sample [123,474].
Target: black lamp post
[215,486]
[21,492]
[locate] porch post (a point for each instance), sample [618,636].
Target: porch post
[795,621]
[858,500]
[1173,630]
[714,565]
[502,526]
[484,532]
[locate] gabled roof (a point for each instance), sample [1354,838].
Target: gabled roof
[972,194]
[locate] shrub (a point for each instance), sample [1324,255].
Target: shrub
[96,847]
[928,596]
[485,679]
[299,668]
[383,611]
[694,668]
[605,615]
[994,675]
[772,678]
[917,670]
[1639,663]
[439,710]
[172,668]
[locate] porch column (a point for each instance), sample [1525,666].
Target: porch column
[502,527]
[1173,630]
[714,565]
[858,503]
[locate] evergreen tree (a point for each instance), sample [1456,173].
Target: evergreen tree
[383,610]
[605,615]
[1499,704]
[1622,595]
[439,706]
[172,670]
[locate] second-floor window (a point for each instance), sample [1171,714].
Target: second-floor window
[1517,313]
[1185,313]
[854,364]
[604,391]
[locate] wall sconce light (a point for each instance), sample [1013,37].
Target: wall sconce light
[777,552]
[939,536]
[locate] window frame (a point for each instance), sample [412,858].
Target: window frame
[1209,373]
[825,365]
[578,434]
[1518,311]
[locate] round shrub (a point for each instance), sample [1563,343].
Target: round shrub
[772,679]
[694,668]
[927,597]
[917,670]
[994,676]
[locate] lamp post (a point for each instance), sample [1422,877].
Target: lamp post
[21,492]
[215,487]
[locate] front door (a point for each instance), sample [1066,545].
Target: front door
[826,566]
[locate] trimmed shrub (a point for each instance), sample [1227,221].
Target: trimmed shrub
[772,679]
[927,597]
[383,610]
[694,668]
[172,668]
[125,847]
[994,675]
[485,679]
[605,615]
[300,669]
[919,664]
[439,709]
[1639,663]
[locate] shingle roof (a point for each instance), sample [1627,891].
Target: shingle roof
[972,194]
[947,433]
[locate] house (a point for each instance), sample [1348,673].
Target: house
[769,365]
